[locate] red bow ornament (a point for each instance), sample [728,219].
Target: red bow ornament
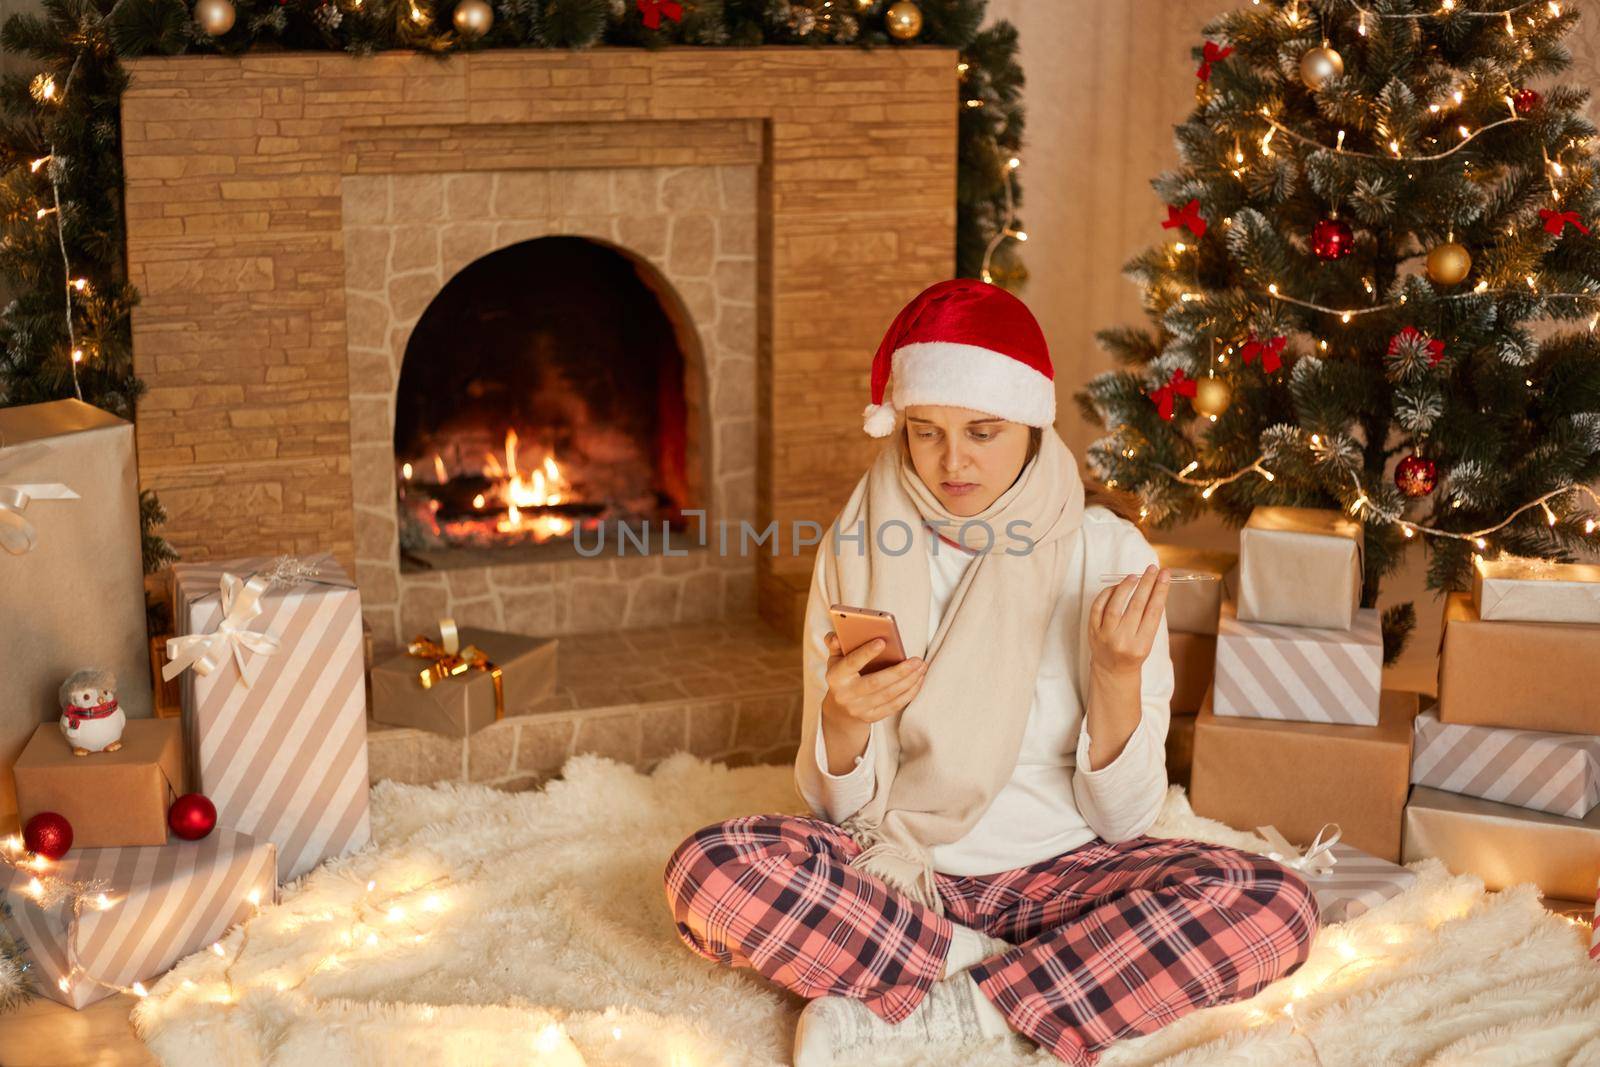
[1213,54]
[1270,352]
[1556,221]
[1188,217]
[652,10]
[1412,337]
[1180,384]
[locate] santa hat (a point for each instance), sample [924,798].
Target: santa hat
[964,343]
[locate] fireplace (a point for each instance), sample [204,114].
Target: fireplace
[542,406]
[292,219]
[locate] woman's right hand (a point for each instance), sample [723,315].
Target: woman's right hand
[854,700]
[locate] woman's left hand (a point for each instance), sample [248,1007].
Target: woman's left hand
[1123,621]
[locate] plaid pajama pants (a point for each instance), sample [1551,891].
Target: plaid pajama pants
[1113,939]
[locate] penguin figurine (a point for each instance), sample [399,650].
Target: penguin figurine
[91,721]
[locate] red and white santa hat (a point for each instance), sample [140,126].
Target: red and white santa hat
[964,343]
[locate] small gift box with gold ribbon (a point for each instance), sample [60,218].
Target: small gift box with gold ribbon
[462,679]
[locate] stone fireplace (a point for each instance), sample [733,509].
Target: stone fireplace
[448,318]
[541,326]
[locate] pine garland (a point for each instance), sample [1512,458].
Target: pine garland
[1426,136]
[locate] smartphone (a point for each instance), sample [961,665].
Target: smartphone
[856,626]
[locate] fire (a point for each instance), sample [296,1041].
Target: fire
[544,487]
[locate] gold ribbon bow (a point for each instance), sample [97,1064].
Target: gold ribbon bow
[1318,859]
[241,602]
[450,659]
[17,535]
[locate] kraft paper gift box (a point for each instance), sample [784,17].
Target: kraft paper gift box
[167,902]
[1504,844]
[280,749]
[68,490]
[1300,567]
[1512,589]
[1557,773]
[1298,776]
[1300,673]
[464,703]
[1192,607]
[1194,658]
[1527,675]
[111,799]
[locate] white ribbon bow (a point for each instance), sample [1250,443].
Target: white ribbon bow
[1318,859]
[241,602]
[17,535]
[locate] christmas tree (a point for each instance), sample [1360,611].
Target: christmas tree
[1376,288]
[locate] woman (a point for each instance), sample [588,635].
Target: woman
[978,864]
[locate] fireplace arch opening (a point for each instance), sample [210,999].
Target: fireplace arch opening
[550,387]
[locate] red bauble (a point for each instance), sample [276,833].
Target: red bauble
[192,816]
[1331,239]
[1526,102]
[48,834]
[1415,476]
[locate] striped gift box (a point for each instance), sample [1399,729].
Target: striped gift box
[1300,673]
[167,901]
[1558,773]
[1357,883]
[284,757]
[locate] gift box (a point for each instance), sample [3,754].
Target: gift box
[1558,773]
[168,693]
[1526,675]
[165,902]
[461,699]
[1300,673]
[1192,607]
[1345,881]
[274,701]
[70,565]
[1357,883]
[1502,843]
[1300,775]
[1512,589]
[1300,567]
[111,799]
[1180,749]
[1594,937]
[1194,658]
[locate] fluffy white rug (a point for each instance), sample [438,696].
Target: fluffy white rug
[523,928]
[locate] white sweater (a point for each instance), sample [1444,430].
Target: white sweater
[1050,805]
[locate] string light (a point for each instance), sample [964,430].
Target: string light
[1407,526]
[1008,226]
[1447,8]
[1346,314]
[1394,145]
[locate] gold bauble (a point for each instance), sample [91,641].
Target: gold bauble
[1449,263]
[903,20]
[1211,396]
[215,16]
[1320,64]
[472,18]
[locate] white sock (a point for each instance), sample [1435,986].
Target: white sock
[992,1020]
[969,946]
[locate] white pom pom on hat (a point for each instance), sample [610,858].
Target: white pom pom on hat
[965,343]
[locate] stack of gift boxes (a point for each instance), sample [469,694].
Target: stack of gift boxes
[272,730]
[1507,764]
[1298,735]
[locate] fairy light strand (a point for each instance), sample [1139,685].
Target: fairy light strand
[1392,156]
[1209,484]
[1448,9]
[1274,293]
[1007,228]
